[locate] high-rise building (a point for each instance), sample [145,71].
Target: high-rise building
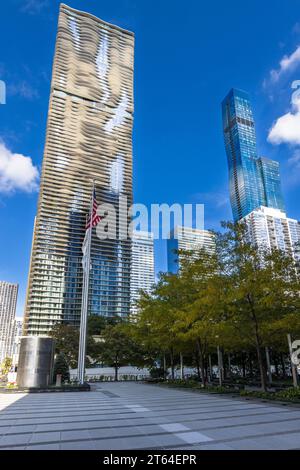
[89,137]
[15,348]
[189,239]
[255,186]
[8,303]
[273,229]
[142,267]
[253,181]
[270,175]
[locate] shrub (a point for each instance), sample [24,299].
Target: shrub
[156,372]
[290,394]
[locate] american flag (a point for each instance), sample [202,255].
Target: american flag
[95,219]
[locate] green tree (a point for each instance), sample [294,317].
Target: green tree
[262,287]
[61,368]
[66,342]
[118,349]
[96,324]
[6,365]
[199,314]
[157,317]
[66,338]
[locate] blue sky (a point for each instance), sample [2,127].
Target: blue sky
[188,55]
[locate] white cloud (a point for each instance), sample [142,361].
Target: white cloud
[217,199]
[34,7]
[286,128]
[23,89]
[17,172]
[295,160]
[286,64]
[296,28]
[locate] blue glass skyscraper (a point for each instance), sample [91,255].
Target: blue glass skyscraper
[253,181]
[269,170]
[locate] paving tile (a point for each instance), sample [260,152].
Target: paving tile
[142,442]
[174,427]
[13,448]
[84,445]
[267,443]
[45,437]
[5,429]
[15,439]
[193,437]
[254,430]
[21,429]
[111,433]
[74,435]
[137,408]
[144,416]
[43,447]
[167,440]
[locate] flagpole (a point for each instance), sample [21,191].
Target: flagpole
[85,300]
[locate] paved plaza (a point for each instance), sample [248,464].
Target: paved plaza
[138,416]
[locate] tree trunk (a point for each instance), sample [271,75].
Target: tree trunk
[116,373]
[268,360]
[172,363]
[243,366]
[210,369]
[197,365]
[206,372]
[276,366]
[283,365]
[250,366]
[229,365]
[201,362]
[202,368]
[165,367]
[262,369]
[225,371]
[220,366]
[181,367]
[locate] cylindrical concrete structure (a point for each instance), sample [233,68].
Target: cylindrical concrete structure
[35,368]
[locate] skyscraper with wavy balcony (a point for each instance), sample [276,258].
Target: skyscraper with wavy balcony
[89,137]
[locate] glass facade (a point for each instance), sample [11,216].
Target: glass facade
[269,170]
[253,181]
[89,137]
[190,239]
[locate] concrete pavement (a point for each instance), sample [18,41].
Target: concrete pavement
[138,416]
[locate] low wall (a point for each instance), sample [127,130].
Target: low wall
[108,373]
